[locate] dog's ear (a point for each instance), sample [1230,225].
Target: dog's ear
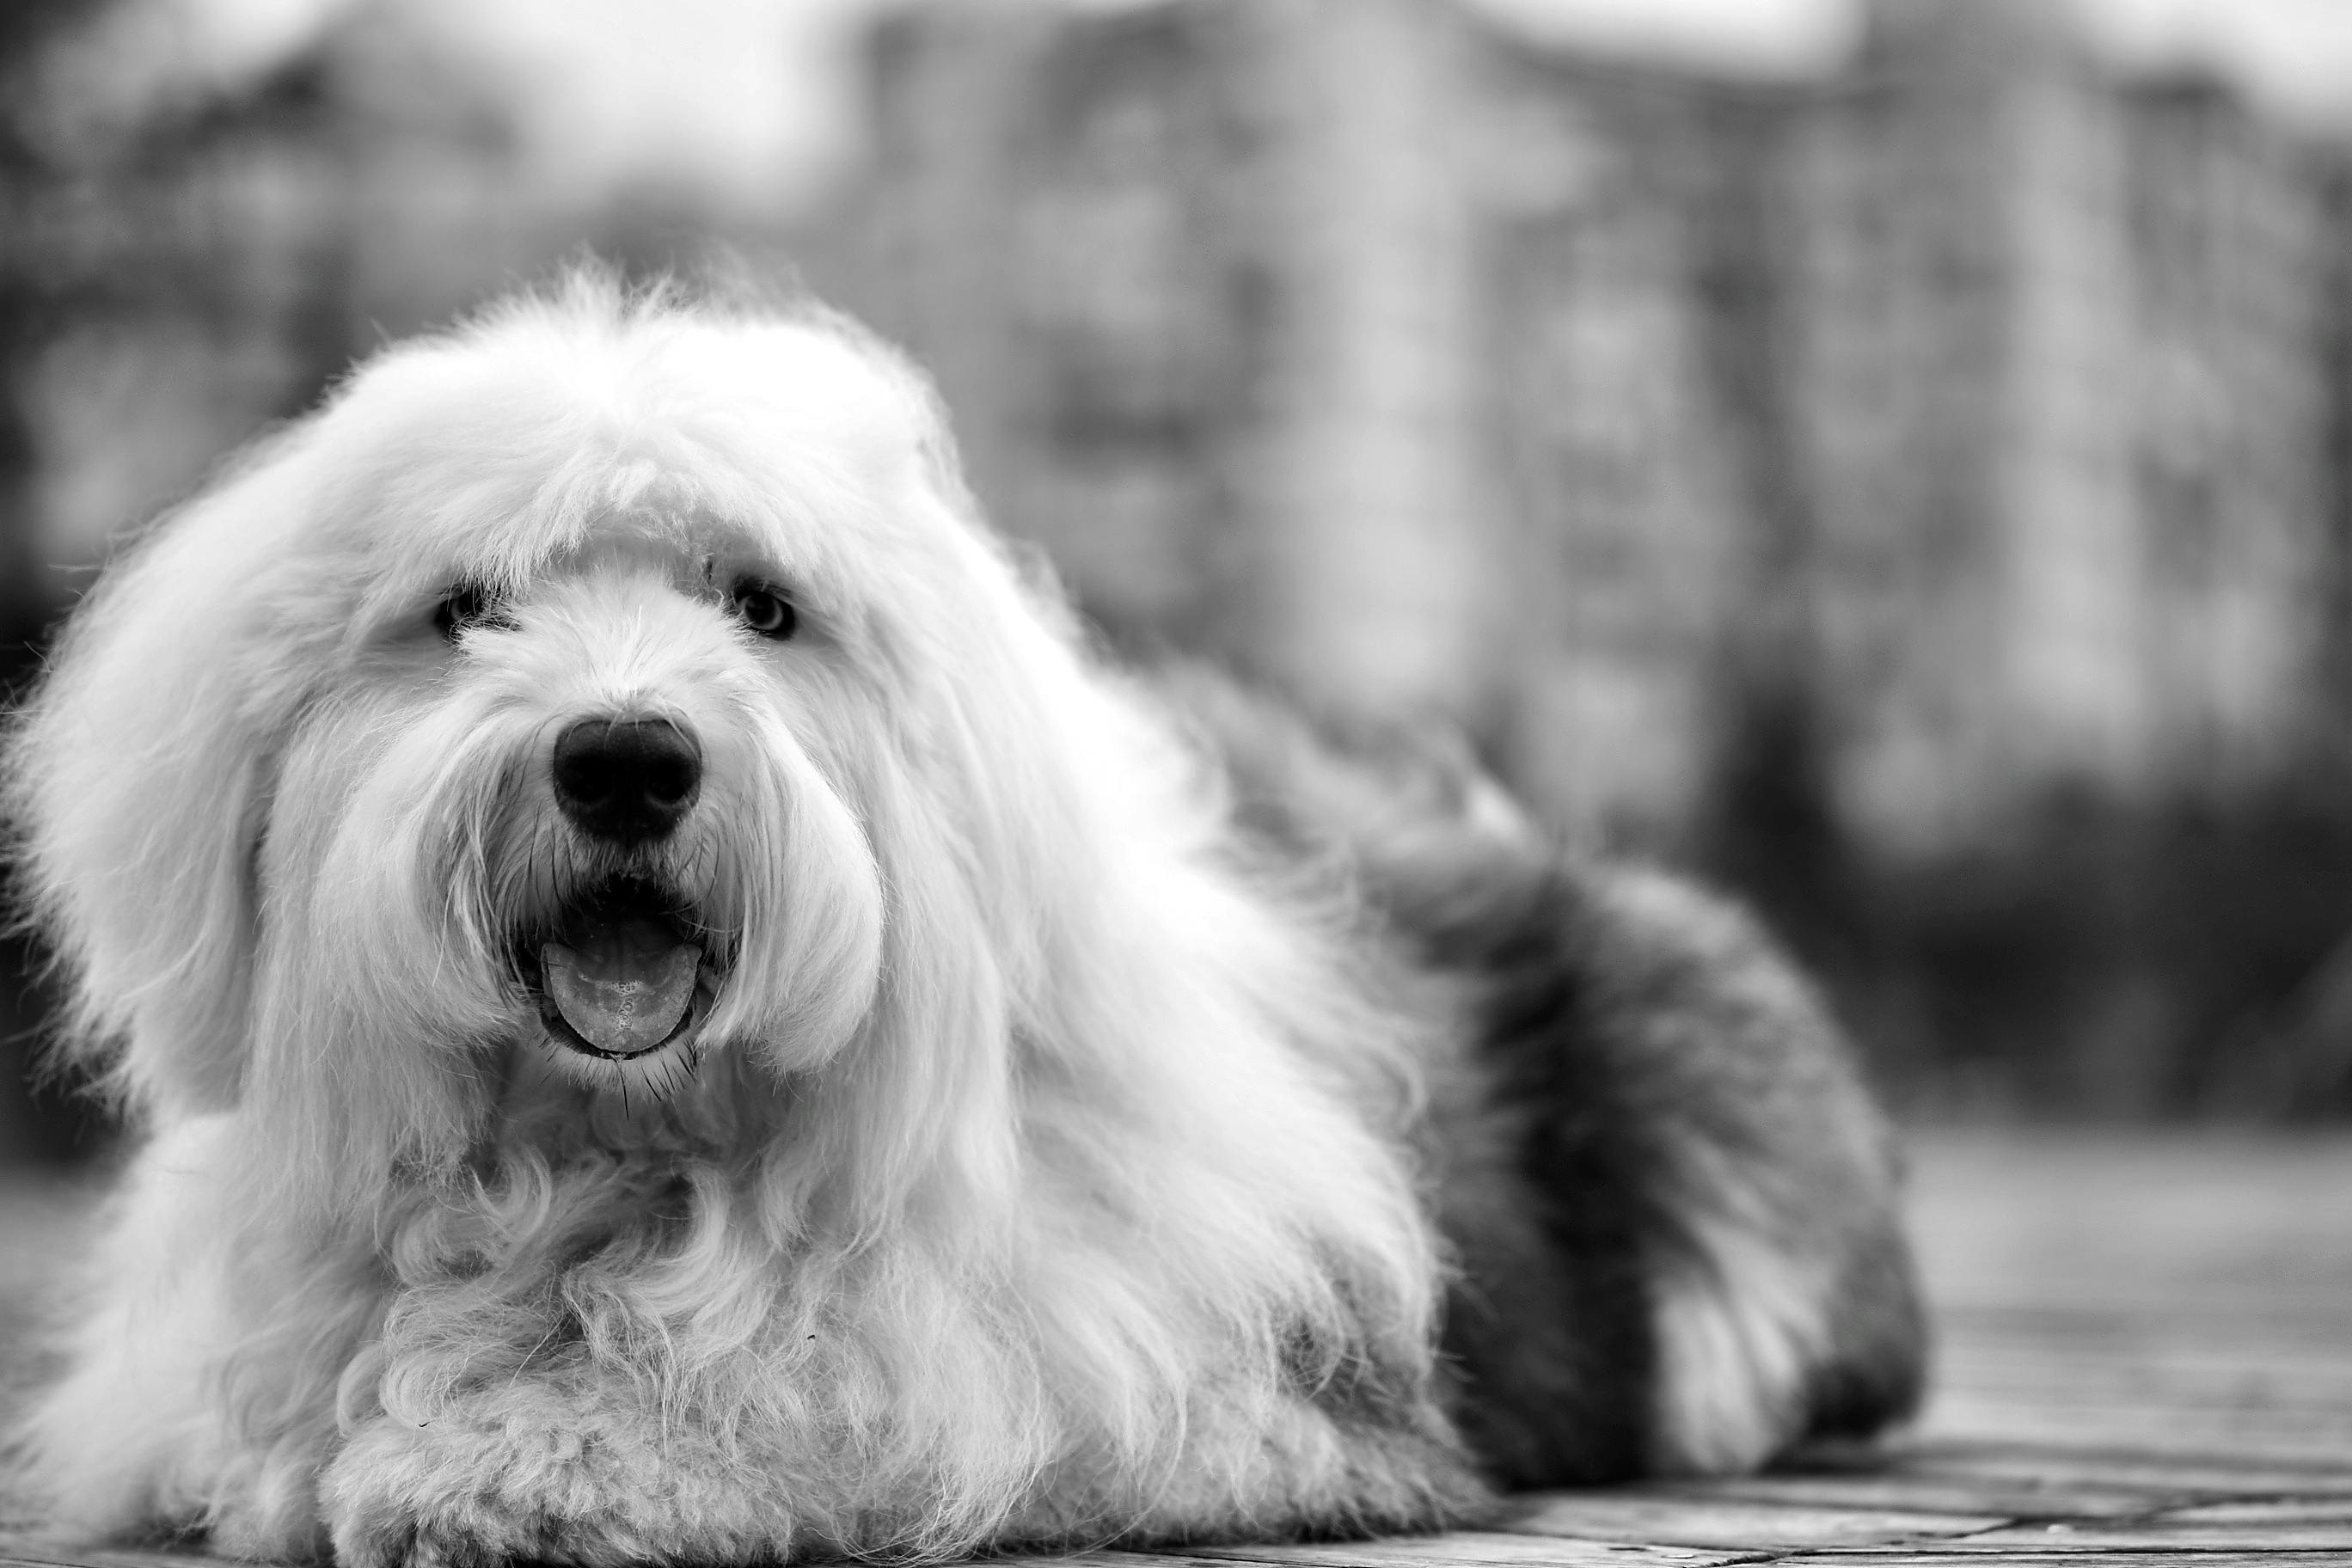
[139,778]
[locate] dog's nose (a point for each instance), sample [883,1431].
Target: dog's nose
[627,780]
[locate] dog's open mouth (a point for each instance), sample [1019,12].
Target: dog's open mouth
[621,974]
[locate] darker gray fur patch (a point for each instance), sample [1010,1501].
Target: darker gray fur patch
[1622,1055]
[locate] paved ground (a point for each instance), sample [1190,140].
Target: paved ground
[2146,1359]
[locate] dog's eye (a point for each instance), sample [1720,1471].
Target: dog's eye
[469,605]
[766,611]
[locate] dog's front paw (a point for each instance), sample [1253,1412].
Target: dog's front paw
[478,1489]
[456,1493]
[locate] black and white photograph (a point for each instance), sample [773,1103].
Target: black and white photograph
[1165,783]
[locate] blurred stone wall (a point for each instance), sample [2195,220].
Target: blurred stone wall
[2068,399]
[1975,399]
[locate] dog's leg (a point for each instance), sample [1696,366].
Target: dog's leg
[1328,1466]
[1782,1281]
[539,1472]
[127,1440]
[1686,1255]
[542,1472]
[170,1413]
[1254,1468]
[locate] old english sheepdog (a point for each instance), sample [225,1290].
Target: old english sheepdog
[675,1010]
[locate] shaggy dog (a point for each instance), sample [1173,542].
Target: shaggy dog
[677,1012]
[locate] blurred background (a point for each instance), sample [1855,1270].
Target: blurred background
[1894,457]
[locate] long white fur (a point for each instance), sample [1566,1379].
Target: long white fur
[1014,1156]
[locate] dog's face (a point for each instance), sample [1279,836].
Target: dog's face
[613,790]
[625,687]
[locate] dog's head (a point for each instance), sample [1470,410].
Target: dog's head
[616,681]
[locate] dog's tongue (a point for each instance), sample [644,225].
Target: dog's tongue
[624,986]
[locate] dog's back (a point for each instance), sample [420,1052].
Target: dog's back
[1671,1201]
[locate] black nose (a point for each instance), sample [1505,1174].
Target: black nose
[628,780]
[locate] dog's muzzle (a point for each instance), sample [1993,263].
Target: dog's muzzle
[624,966]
